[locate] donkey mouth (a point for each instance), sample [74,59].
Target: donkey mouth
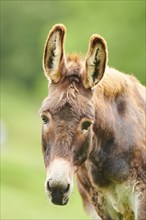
[59,199]
[60,202]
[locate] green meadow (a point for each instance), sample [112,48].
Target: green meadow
[24,28]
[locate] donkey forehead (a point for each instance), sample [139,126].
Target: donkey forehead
[67,110]
[65,113]
[68,103]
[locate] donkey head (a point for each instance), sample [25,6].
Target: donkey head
[68,113]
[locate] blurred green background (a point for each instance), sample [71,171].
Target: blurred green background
[24,28]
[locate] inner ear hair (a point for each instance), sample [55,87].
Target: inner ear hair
[54,52]
[95,61]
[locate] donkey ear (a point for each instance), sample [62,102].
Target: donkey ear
[95,61]
[53,56]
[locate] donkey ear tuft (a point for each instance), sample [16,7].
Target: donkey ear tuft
[95,61]
[53,56]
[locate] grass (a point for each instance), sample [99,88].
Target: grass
[22,168]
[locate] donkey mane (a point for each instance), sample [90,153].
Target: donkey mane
[74,57]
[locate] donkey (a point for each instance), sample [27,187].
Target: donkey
[93,127]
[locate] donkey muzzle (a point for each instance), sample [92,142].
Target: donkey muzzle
[59,182]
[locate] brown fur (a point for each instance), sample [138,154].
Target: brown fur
[112,151]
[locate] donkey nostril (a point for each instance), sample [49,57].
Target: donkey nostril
[49,187]
[57,188]
[67,188]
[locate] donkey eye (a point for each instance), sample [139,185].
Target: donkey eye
[45,119]
[86,125]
